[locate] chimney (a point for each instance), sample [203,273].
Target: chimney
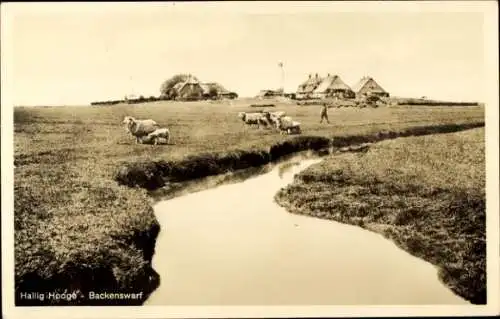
[310,75]
[317,76]
[328,74]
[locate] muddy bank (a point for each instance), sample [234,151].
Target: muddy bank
[177,189]
[152,175]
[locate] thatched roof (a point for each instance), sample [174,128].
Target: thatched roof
[206,88]
[310,84]
[189,81]
[368,84]
[177,86]
[303,85]
[332,83]
[189,88]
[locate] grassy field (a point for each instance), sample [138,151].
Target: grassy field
[76,228]
[426,193]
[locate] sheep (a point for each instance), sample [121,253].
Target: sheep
[270,118]
[161,134]
[274,116]
[284,120]
[258,118]
[287,126]
[140,128]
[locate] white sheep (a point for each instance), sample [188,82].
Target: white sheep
[284,120]
[258,118]
[160,136]
[288,126]
[140,128]
[274,116]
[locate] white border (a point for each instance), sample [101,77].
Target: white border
[489,8]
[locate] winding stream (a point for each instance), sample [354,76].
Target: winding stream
[233,245]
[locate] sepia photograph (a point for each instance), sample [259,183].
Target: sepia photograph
[250,159]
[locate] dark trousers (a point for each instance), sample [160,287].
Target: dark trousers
[324,116]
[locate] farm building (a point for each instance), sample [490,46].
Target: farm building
[333,86]
[306,89]
[189,90]
[367,86]
[216,90]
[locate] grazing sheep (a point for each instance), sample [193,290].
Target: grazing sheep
[274,116]
[287,126]
[284,119]
[140,128]
[160,135]
[266,120]
[258,118]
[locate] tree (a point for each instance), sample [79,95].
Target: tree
[168,84]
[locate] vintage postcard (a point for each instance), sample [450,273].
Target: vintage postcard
[250,159]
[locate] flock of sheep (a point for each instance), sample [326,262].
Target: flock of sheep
[279,120]
[149,132]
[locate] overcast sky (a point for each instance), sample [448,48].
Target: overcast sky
[77,53]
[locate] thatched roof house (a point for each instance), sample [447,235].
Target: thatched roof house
[332,86]
[306,89]
[189,89]
[368,86]
[301,89]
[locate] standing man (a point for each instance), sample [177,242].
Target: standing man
[324,113]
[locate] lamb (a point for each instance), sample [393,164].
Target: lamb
[160,135]
[140,128]
[287,126]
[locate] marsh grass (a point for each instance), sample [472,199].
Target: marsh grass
[426,193]
[76,228]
